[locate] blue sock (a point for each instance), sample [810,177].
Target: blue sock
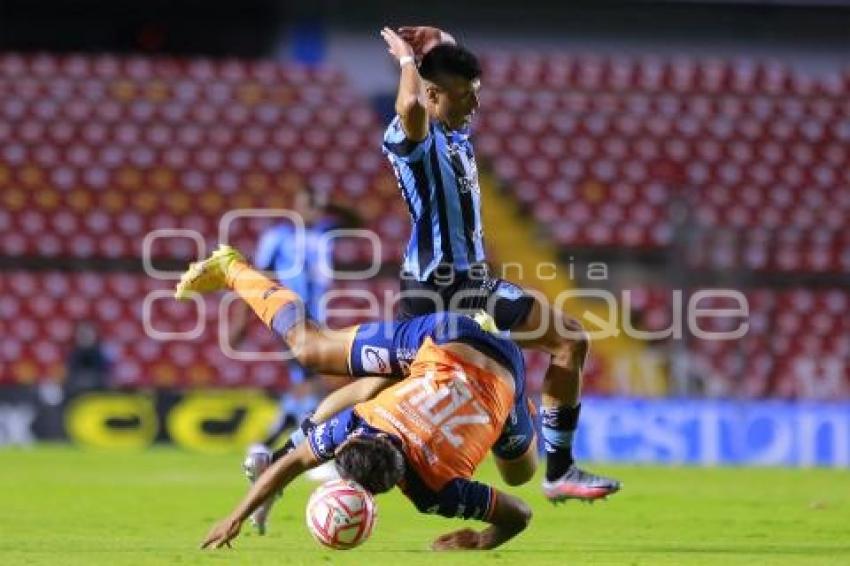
[286,317]
[559,428]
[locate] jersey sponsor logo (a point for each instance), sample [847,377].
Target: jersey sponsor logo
[465,170]
[375,359]
[318,435]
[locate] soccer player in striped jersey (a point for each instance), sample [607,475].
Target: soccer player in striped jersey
[428,146]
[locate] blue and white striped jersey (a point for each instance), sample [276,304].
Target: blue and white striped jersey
[438,178]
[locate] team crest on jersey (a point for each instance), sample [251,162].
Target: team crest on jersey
[375,360]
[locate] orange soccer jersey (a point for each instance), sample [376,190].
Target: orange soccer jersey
[447,414]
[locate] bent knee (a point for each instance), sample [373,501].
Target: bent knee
[308,354]
[575,332]
[572,344]
[517,478]
[520,470]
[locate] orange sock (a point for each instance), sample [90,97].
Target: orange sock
[264,296]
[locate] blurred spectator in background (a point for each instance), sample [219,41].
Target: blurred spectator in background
[89,363]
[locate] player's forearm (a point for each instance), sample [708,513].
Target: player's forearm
[278,476]
[362,389]
[409,90]
[497,535]
[510,517]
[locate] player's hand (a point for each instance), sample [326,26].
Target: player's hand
[464,539]
[421,38]
[397,47]
[222,533]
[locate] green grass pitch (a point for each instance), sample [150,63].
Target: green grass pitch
[60,505]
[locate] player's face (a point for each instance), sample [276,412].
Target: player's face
[454,100]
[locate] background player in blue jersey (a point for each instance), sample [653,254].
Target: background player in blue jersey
[429,149]
[300,269]
[300,263]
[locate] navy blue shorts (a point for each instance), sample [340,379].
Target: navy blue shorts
[465,292]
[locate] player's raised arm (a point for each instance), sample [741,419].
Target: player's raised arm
[508,517]
[278,476]
[409,104]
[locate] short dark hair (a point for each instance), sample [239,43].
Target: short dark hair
[447,59]
[373,462]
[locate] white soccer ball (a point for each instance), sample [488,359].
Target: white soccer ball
[341,514]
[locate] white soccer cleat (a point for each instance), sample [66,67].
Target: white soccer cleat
[579,484]
[257,461]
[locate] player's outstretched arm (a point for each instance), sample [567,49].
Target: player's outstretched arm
[510,516]
[408,103]
[278,476]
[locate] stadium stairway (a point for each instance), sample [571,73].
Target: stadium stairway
[512,239]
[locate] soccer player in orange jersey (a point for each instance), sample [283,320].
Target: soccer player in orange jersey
[426,433]
[465,396]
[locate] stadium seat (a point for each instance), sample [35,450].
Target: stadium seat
[46,306]
[796,346]
[755,132]
[192,138]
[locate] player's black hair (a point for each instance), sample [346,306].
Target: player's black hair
[447,59]
[373,462]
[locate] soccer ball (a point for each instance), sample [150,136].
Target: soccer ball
[341,514]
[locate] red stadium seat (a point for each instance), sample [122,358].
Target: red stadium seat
[795,347]
[46,306]
[101,131]
[753,130]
